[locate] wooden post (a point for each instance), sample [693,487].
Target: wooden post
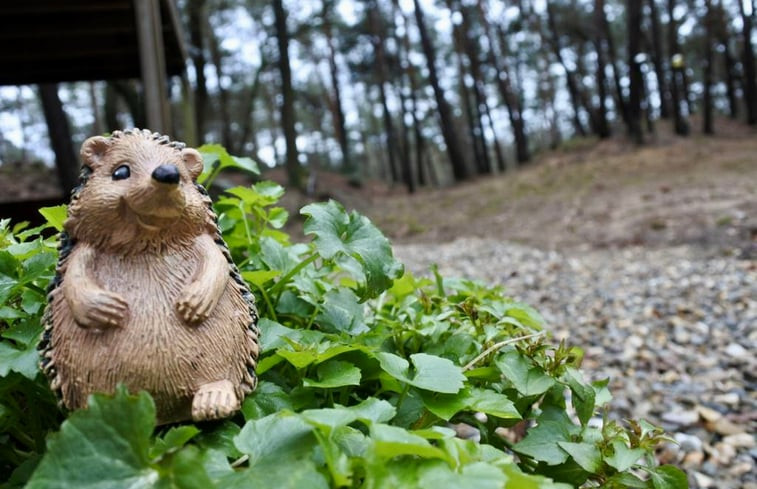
[153,64]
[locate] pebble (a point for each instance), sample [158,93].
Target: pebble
[675,328]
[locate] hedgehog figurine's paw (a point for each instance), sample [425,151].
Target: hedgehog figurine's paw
[100,309]
[215,400]
[195,304]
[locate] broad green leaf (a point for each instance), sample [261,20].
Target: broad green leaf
[430,372]
[391,441]
[668,477]
[268,398]
[260,277]
[623,457]
[527,379]
[541,441]
[105,445]
[341,312]
[585,454]
[474,476]
[54,215]
[284,474]
[447,405]
[277,437]
[334,373]
[174,439]
[583,395]
[23,361]
[352,236]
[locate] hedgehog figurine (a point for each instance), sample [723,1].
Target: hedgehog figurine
[146,293]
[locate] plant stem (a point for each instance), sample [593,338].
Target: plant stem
[498,346]
[279,286]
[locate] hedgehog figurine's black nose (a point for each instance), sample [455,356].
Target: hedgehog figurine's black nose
[166,173]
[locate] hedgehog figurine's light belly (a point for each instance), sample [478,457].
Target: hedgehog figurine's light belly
[146,293]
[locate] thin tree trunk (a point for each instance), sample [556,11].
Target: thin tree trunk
[657,60]
[749,81]
[196,21]
[59,131]
[216,58]
[97,123]
[633,13]
[287,106]
[620,101]
[340,129]
[249,114]
[680,124]
[502,74]
[603,128]
[707,126]
[454,152]
[729,68]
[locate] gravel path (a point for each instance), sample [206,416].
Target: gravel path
[674,328]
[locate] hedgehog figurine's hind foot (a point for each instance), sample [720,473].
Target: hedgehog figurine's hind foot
[215,400]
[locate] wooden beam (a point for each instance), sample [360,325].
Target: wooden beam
[153,64]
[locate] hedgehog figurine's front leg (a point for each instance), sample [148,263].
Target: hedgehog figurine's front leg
[146,294]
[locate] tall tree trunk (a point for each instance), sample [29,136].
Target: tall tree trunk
[380,66]
[747,61]
[134,101]
[287,106]
[340,129]
[59,131]
[729,69]
[110,107]
[196,20]
[620,101]
[657,60]
[216,57]
[676,82]
[249,114]
[97,123]
[603,128]
[633,13]
[707,127]
[454,152]
[502,74]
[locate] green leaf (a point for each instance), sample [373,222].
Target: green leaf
[583,395]
[623,457]
[174,439]
[668,477]
[284,474]
[105,445]
[474,476]
[430,372]
[541,441]
[260,277]
[352,239]
[492,403]
[23,361]
[585,454]
[55,215]
[342,312]
[277,437]
[392,441]
[334,373]
[527,379]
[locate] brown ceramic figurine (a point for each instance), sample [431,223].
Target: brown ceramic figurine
[146,293]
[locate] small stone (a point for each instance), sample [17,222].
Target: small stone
[693,459]
[481,417]
[681,418]
[723,454]
[741,468]
[708,414]
[736,351]
[466,431]
[726,427]
[740,440]
[731,399]
[703,481]
[688,443]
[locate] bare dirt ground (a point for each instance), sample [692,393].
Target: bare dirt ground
[696,190]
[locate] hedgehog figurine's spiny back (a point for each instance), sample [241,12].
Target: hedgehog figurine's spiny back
[146,293]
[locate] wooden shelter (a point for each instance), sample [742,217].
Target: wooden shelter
[44,42]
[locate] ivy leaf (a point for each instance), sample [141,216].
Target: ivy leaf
[23,361]
[585,454]
[391,441]
[352,239]
[54,215]
[668,477]
[431,372]
[334,373]
[299,474]
[623,457]
[541,441]
[279,436]
[104,445]
[342,312]
[527,379]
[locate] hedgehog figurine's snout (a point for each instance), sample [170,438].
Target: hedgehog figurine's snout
[167,173]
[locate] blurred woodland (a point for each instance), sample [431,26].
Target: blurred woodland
[423,93]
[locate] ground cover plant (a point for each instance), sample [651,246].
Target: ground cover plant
[365,372]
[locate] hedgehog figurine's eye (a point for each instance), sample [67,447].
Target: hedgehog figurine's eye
[121,173]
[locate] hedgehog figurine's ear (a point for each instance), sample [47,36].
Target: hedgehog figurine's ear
[93,150]
[193,161]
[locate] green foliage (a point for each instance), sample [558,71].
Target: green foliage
[362,368]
